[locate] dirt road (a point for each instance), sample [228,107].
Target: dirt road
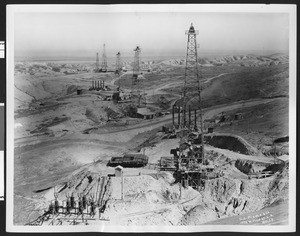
[128,132]
[209,79]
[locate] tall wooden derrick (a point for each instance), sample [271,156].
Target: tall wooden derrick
[104,60]
[137,89]
[118,69]
[118,64]
[189,106]
[97,63]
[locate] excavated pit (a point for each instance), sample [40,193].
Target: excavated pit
[231,142]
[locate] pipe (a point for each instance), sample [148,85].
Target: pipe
[184,112]
[122,186]
[178,115]
[173,108]
[189,116]
[195,111]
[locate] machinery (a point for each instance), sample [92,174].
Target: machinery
[129,160]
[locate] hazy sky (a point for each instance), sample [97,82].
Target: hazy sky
[82,33]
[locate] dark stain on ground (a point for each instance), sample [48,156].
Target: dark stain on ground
[42,128]
[37,108]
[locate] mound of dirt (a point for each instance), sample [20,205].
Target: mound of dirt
[93,115]
[149,200]
[199,215]
[275,214]
[229,197]
[28,89]
[231,142]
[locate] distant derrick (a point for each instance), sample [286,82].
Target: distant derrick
[104,60]
[97,63]
[137,91]
[118,70]
[136,62]
[118,64]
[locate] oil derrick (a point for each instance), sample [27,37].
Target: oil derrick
[191,167]
[104,60]
[118,68]
[97,63]
[190,103]
[137,90]
[118,64]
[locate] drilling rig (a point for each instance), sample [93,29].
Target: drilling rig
[137,89]
[118,64]
[104,61]
[191,166]
[97,63]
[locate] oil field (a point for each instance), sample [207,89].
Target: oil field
[135,142]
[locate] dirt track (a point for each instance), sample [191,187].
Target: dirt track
[129,131]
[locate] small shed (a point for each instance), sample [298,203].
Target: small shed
[238,116]
[145,113]
[119,171]
[79,91]
[116,96]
